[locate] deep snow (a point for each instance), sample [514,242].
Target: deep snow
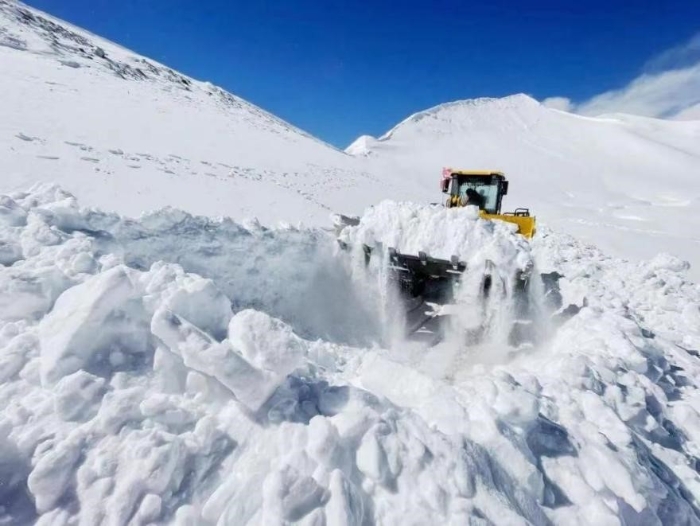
[179,369]
[134,390]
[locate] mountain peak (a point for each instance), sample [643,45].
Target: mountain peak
[362,146]
[445,110]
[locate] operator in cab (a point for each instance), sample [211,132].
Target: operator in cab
[473,198]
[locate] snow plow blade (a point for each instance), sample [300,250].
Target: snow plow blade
[422,275]
[433,279]
[427,284]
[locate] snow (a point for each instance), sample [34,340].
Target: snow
[624,183]
[163,367]
[143,392]
[362,146]
[441,232]
[161,139]
[689,114]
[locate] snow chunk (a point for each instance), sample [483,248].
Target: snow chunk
[191,297]
[372,457]
[41,194]
[150,508]
[52,475]
[13,465]
[37,235]
[30,293]
[11,214]
[119,407]
[266,342]
[289,496]
[667,262]
[10,253]
[78,395]
[345,506]
[16,354]
[90,321]
[251,386]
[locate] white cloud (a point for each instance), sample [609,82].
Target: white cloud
[669,87]
[679,57]
[661,95]
[559,103]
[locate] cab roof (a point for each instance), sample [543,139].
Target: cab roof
[475,172]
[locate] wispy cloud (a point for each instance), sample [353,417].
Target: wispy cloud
[679,57]
[668,88]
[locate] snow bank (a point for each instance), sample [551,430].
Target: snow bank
[441,233]
[134,391]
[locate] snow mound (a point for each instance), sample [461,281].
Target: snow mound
[362,146]
[133,390]
[441,233]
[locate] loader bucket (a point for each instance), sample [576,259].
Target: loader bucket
[525,222]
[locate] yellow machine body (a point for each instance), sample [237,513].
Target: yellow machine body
[526,224]
[491,186]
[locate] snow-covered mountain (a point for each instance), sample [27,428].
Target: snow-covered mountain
[628,184]
[179,369]
[127,133]
[123,132]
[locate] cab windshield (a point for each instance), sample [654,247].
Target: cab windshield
[487,188]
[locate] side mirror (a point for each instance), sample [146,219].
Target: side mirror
[505,187]
[445,185]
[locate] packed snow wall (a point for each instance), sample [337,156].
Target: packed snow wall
[290,273]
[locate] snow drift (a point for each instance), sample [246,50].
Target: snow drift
[136,391]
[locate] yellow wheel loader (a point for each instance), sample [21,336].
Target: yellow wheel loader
[432,278]
[424,280]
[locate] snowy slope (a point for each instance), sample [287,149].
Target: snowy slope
[628,184]
[124,132]
[135,391]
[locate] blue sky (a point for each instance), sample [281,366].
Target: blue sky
[340,69]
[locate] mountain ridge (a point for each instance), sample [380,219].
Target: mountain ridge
[126,133]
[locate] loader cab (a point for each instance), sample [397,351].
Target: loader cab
[490,185]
